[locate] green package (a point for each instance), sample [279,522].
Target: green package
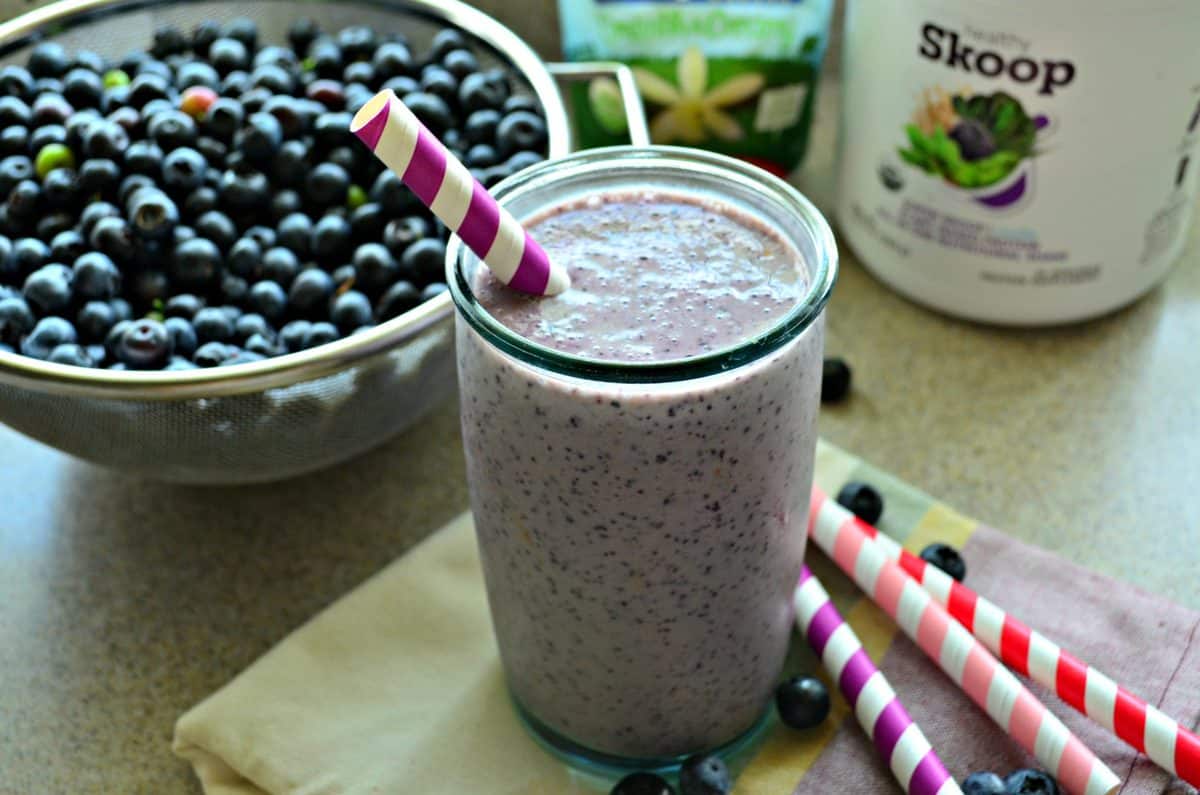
[734,76]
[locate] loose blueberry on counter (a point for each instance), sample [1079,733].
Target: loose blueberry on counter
[1030,782]
[835,380]
[704,775]
[983,783]
[642,784]
[802,702]
[946,558]
[862,500]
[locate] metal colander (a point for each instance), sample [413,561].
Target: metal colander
[283,416]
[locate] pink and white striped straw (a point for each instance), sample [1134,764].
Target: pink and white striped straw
[896,736]
[965,660]
[443,183]
[1028,652]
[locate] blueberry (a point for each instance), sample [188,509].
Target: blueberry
[280,265]
[263,235]
[402,85]
[327,184]
[802,702]
[96,276]
[48,59]
[224,118]
[184,305]
[320,334]
[310,291]
[200,201]
[520,130]
[14,141]
[642,784]
[235,83]
[393,59]
[476,92]
[143,157]
[23,199]
[294,232]
[244,30]
[460,63]
[48,334]
[326,58]
[66,246]
[350,160]
[47,85]
[946,558]
[332,129]
[16,319]
[357,41]
[432,110]
[152,214]
[245,258]
[72,354]
[233,288]
[146,88]
[184,340]
[94,320]
[93,213]
[392,194]
[213,354]
[285,202]
[172,129]
[228,54]
[195,263]
[399,298]
[51,134]
[217,227]
[481,156]
[331,239]
[359,72]
[13,169]
[133,184]
[704,775]
[50,225]
[195,74]
[439,82]
[89,60]
[401,233]
[212,324]
[292,116]
[367,222]
[293,334]
[302,33]
[212,150]
[183,170]
[245,188]
[77,126]
[272,77]
[521,102]
[16,81]
[862,500]
[1030,782]
[98,176]
[117,99]
[433,290]
[83,88]
[350,310]
[446,41]
[179,363]
[60,188]
[983,783]
[168,40]
[250,324]
[14,111]
[835,380]
[329,94]
[521,160]
[150,286]
[49,288]
[425,259]
[203,35]
[28,254]
[375,267]
[121,309]
[262,345]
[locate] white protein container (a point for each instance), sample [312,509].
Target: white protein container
[1023,163]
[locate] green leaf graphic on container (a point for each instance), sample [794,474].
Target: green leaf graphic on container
[689,111]
[972,141]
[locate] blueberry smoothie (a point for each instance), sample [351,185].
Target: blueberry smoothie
[642,529]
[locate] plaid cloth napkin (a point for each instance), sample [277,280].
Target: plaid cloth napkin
[396,688]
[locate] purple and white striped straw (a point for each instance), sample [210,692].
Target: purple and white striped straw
[898,739]
[445,186]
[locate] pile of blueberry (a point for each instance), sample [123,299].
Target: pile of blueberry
[203,203]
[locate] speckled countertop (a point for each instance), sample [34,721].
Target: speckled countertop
[122,603]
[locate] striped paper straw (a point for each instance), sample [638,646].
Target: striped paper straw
[443,183]
[1165,741]
[898,739]
[965,660]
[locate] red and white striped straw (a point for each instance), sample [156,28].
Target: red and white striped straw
[896,736]
[443,183]
[965,660]
[1165,741]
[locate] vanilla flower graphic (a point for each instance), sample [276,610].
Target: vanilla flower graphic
[690,114]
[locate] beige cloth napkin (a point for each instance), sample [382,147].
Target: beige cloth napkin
[378,695]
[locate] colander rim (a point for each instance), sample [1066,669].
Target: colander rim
[27,372]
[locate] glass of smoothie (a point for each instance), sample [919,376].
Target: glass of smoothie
[640,448]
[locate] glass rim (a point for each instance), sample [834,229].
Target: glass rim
[655,159]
